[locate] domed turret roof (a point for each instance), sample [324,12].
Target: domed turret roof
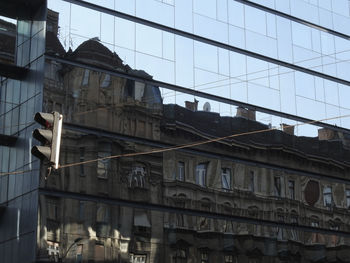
[94,52]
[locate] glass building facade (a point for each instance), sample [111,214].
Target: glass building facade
[251,78]
[194,131]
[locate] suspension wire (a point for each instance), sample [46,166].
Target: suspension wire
[183,146]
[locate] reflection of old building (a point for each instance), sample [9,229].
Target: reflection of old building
[7,45]
[273,176]
[270,176]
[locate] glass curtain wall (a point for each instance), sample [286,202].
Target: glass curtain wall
[193,64]
[158,164]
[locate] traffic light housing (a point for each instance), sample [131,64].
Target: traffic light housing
[49,136]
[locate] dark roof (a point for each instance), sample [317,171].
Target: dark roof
[8,26]
[7,39]
[93,52]
[7,44]
[53,45]
[211,124]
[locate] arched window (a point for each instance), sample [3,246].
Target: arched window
[335,224]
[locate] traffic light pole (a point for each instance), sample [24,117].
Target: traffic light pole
[49,136]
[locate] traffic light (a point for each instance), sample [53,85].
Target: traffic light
[50,137]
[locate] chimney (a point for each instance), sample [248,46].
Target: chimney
[287,128]
[331,135]
[193,106]
[246,113]
[52,21]
[327,134]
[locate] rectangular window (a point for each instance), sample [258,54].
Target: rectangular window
[53,230]
[137,177]
[99,253]
[228,258]
[279,229]
[201,173]
[52,209]
[103,165]
[252,181]
[141,220]
[204,223]
[277,186]
[85,80]
[204,257]
[180,256]
[293,232]
[53,250]
[81,210]
[228,224]
[180,171]
[79,254]
[138,258]
[314,223]
[180,216]
[327,196]
[291,188]
[102,214]
[348,198]
[82,159]
[226,178]
[334,226]
[315,237]
[106,81]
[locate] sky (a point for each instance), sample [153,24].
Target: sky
[196,65]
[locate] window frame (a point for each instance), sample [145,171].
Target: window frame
[347,196]
[229,183]
[180,171]
[138,175]
[201,174]
[180,255]
[277,182]
[81,159]
[133,258]
[205,222]
[204,256]
[294,220]
[280,233]
[327,196]
[103,164]
[252,181]
[291,189]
